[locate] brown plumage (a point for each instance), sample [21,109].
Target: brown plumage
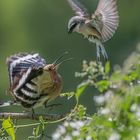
[33,82]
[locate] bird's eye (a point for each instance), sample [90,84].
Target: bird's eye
[72,27]
[49,69]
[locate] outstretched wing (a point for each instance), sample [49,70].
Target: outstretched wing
[107,18]
[24,67]
[78,8]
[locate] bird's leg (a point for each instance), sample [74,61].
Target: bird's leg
[98,49]
[33,113]
[30,111]
[98,52]
[103,51]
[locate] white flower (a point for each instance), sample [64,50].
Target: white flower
[73,125]
[131,83]
[138,137]
[56,136]
[80,123]
[61,129]
[88,138]
[66,124]
[99,99]
[75,133]
[138,113]
[108,95]
[114,86]
[133,107]
[77,124]
[114,136]
[104,111]
[67,137]
[110,119]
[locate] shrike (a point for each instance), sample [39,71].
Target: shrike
[98,27]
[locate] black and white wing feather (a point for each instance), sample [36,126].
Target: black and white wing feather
[78,8]
[107,17]
[24,67]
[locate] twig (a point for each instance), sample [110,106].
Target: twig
[31,116]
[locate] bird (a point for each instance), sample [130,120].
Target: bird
[97,27]
[33,82]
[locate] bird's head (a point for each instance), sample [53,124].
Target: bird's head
[54,66]
[50,71]
[50,67]
[74,22]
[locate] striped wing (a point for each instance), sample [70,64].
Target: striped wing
[107,19]
[23,68]
[78,8]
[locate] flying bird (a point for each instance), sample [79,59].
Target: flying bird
[97,27]
[33,82]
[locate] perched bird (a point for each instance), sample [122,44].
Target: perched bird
[33,82]
[98,27]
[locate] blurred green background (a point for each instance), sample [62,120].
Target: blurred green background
[41,26]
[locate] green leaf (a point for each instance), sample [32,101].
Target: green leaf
[102,85]
[80,90]
[117,76]
[42,122]
[131,77]
[81,111]
[107,68]
[0,132]
[9,128]
[69,95]
[36,131]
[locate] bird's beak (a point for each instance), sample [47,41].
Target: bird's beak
[45,68]
[57,66]
[70,30]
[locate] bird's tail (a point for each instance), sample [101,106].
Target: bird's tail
[101,50]
[8,103]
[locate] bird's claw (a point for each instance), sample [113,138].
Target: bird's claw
[101,50]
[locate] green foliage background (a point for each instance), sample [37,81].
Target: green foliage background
[41,26]
[118,114]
